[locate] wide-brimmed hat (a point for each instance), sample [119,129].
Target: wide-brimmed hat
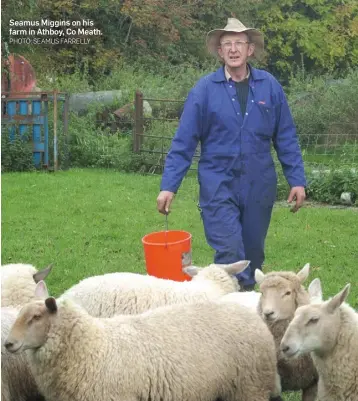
[234,25]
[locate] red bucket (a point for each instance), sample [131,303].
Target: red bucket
[166,253]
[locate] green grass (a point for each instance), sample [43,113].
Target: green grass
[90,222]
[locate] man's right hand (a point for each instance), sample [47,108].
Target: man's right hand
[164,200]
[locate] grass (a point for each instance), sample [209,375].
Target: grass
[90,222]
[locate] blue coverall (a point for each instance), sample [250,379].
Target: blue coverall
[236,172]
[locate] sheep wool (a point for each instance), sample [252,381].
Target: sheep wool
[131,293]
[18,283]
[250,299]
[186,352]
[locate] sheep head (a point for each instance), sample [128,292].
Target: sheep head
[33,322]
[314,327]
[231,268]
[282,293]
[222,275]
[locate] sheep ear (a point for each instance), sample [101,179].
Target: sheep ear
[41,290]
[259,276]
[315,290]
[42,274]
[338,299]
[191,270]
[234,268]
[51,304]
[304,273]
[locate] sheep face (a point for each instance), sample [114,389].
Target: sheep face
[281,293]
[314,327]
[277,299]
[32,325]
[30,328]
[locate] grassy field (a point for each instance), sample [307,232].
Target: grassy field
[90,222]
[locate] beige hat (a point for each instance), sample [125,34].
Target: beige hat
[234,25]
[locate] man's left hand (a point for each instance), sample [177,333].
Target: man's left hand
[299,194]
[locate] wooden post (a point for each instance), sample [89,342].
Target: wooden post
[138,122]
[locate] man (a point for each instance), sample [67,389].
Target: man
[235,113]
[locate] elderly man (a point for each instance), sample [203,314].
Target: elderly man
[235,113]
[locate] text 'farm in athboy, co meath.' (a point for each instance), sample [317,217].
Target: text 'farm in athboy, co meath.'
[46,31]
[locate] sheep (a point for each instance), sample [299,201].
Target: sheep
[199,352]
[17,382]
[328,331]
[282,293]
[18,282]
[131,293]
[250,299]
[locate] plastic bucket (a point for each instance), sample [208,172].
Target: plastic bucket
[166,253]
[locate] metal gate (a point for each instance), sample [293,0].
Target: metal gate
[22,111]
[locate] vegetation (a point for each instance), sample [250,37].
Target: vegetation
[324,33]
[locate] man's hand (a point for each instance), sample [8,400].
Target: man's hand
[164,200]
[299,194]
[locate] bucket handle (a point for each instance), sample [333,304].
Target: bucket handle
[166,230]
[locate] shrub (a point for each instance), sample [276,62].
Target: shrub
[16,152]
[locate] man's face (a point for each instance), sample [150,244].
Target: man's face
[235,49]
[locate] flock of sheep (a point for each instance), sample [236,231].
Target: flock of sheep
[133,337]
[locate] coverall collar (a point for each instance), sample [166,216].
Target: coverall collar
[255,74]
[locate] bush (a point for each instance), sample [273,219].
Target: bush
[327,185]
[325,112]
[16,152]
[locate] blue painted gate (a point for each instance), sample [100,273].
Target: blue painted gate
[29,111]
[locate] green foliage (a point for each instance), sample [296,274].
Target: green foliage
[325,112]
[328,185]
[16,152]
[322,32]
[93,147]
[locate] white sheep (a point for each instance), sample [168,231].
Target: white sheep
[250,299]
[17,382]
[18,283]
[328,331]
[130,293]
[186,352]
[282,292]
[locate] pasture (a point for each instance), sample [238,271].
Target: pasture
[89,222]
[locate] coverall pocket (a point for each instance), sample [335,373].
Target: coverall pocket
[264,119]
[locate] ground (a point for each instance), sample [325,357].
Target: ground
[90,222]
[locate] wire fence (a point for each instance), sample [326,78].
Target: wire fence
[156,120]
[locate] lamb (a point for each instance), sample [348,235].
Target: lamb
[17,382]
[18,283]
[328,330]
[131,293]
[282,293]
[199,352]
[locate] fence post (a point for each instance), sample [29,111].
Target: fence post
[66,141]
[55,147]
[138,122]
